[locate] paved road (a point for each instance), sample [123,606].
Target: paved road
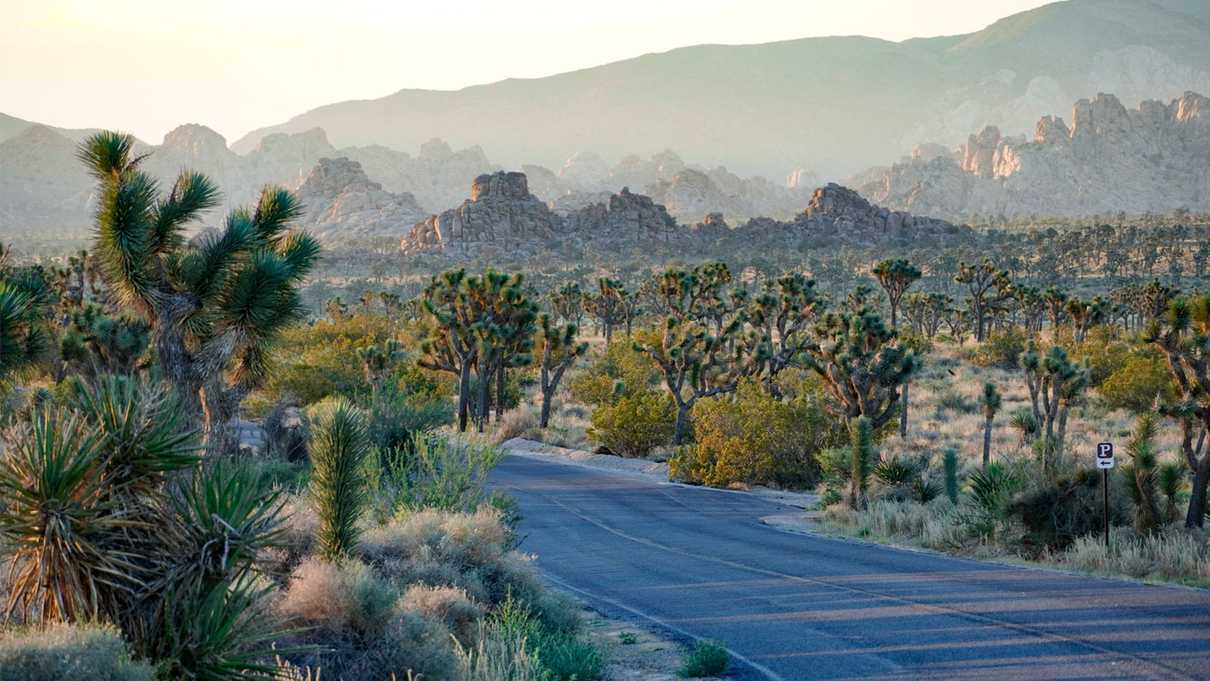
[698,564]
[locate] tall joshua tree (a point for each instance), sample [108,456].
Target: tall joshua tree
[217,302]
[1183,335]
[1055,384]
[895,277]
[989,288]
[862,364]
[558,349]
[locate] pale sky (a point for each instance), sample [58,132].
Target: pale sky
[146,66]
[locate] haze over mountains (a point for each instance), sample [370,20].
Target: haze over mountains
[835,105]
[699,129]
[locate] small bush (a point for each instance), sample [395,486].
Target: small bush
[619,372]
[706,659]
[635,424]
[68,653]
[515,423]
[447,604]
[345,601]
[1002,348]
[1057,513]
[756,439]
[1137,382]
[1176,555]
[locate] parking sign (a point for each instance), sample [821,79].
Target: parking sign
[1105,455]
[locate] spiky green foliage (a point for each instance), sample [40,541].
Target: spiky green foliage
[340,490]
[702,350]
[862,364]
[989,289]
[1144,460]
[67,558]
[217,302]
[895,277]
[950,464]
[861,452]
[568,303]
[220,634]
[1055,384]
[1183,335]
[558,349]
[23,337]
[990,490]
[1170,478]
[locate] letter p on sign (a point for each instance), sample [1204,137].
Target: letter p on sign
[1105,455]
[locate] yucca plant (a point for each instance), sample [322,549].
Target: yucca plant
[65,529]
[1171,477]
[893,472]
[1142,473]
[340,491]
[990,491]
[217,302]
[221,634]
[226,520]
[22,338]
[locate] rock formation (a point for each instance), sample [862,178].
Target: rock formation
[1111,159]
[342,202]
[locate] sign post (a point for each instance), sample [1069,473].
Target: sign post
[1105,462]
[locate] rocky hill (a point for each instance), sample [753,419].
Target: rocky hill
[342,202]
[835,104]
[502,217]
[1153,158]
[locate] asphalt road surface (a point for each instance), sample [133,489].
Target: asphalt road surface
[698,564]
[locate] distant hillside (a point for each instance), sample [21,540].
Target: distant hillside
[834,105]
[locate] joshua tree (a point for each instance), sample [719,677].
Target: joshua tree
[989,288]
[448,344]
[1085,314]
[780,317]
[377,361]
[695,362]
[1184,338]
[990,400]
[1056,306]
[336,309]
[215,303]
[926,312]
[895,277]
[558,349]
[567,303]
[1055,383]
[609,305]
[862,364]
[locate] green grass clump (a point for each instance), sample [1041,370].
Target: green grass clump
[708,658]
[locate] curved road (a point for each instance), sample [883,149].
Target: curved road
[697,563]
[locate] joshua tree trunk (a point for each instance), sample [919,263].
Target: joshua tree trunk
[903,411]
[485,377]
[1196,516]
[464,394]
[500,386]
[987,441]
[682,421]
[219,408]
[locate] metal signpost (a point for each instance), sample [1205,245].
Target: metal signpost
[1105,462]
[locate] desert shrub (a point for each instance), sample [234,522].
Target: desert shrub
[346,600]
[952,400]
[446,604]
[320,360]
[567,657]
[1137,382]
[989,493]
[1002,348]
[618,372]
[500,653]
[755,438]
[435,472]
[66,653]
[1056,513]
[635,424]
[515,423]
[340,489]
[707,658]
[470,551]
[397,417]
[1102,348]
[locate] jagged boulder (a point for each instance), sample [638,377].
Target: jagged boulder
[500,210]
[341,201]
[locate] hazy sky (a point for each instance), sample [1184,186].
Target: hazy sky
[147,66]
